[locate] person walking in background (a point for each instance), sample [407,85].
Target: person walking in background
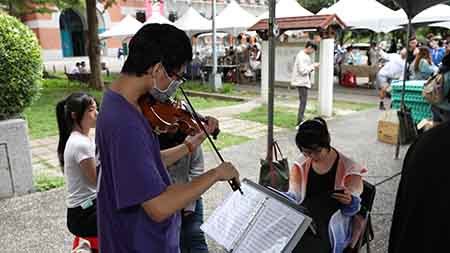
[301,76]
[391,70]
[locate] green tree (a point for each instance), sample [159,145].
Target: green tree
[315,5]
[19,8]
[20,66]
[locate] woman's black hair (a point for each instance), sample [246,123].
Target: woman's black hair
[155,43]
[313,134]
[75,104]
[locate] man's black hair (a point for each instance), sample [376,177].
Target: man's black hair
[155,43]
[311,45]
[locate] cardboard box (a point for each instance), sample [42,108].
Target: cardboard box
[388,127]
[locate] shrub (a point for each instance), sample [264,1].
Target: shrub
[20,66]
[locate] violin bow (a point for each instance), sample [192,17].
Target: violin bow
[233,183]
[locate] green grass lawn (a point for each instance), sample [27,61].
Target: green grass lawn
[283,116]
[41,116]
[224,140]
[286,117]
[228,89]
[354,106]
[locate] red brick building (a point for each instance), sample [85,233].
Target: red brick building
[63,33]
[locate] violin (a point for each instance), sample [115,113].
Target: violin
[171,116]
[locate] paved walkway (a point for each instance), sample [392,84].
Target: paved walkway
[36,222]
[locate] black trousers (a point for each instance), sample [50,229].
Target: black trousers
[82,222]
[303,97]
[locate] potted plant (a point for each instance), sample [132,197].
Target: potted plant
[20,78]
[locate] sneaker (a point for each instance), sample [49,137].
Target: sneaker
[381,107]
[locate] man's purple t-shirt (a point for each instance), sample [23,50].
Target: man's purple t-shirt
[131,172]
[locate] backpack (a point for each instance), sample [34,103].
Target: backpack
[433,89]
[349,80]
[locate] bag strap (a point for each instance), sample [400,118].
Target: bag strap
[276,149]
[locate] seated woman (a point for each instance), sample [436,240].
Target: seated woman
[422,67]
[328,184]
[76,115]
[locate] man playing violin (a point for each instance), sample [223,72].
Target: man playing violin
[138,207]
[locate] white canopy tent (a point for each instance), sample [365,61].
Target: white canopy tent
[436,13]
[367,14]
[192,22]
[234,19]
[127,27]
[158,19]
[287,8]
[445,24]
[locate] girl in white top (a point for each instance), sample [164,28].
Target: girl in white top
[76,115]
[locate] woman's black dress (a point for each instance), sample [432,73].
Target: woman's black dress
[321,207]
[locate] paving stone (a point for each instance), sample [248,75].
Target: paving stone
[49,156]
[41,151]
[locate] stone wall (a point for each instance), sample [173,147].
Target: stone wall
[16,176]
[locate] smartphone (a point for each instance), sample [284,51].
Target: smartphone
[338,191]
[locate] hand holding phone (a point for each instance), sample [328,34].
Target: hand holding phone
[342,195]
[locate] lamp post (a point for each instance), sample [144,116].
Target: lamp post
[273,33]
[215,79]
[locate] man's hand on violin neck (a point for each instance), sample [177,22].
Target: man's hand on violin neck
[226,171]
[197,139]
[212,124]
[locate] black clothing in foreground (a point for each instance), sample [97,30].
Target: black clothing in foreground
[421,222]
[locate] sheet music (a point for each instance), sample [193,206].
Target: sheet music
[272,229]
[227,223]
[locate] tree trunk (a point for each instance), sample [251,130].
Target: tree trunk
[93,45]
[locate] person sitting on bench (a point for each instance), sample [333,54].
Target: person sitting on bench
[329,185]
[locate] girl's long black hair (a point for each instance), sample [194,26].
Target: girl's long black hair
[69,112]
[313,134]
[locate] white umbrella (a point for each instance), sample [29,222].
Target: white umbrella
[192,22]
[368,14]
[157,18]
[127,27]
[234,19]
[437,13]
[442,24]
[287,8]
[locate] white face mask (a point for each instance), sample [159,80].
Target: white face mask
[164,95]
